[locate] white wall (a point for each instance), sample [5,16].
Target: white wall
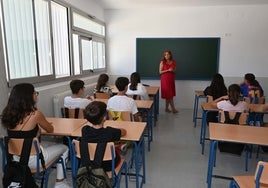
[243,31]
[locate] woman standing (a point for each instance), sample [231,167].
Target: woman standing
[167,71]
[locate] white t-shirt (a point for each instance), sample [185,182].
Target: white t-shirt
[226,105]
[70,102]
[122,103]
[141,90]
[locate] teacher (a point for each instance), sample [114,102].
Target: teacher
[167,69]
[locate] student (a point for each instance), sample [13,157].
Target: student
[251,87]
[231,102]
[216,89]
[121,102]
[76,100]
[136,88]
[102,85]
[21,118]
[96,114]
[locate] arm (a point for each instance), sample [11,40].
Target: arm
[43,123]
[161,71]
[136,117]
[123,132]
[214,103]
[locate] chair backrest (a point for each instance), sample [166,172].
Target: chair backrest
[242,120]
[120,115]
[255,100]
[261,173]
[92,148]
[99,95]
[15,146]
[76,113]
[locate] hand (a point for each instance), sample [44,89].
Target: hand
[170,69]
[91,98]
[225,97]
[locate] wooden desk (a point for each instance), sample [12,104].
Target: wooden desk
[147,106]
[206,107]
[134,129]
[233,133]
[153,91]
[134,133]
[198,95]
[64,126]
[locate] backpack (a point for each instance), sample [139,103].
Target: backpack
[91,174]
[18,174]
[228,147]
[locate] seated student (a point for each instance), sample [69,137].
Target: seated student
[76,100]
[251,87]
[21,118]
[96,114]
[121,102]
[136,88]
[232,102]
[102,85]
[216,89]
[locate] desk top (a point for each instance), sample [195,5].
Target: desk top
[238,133]
[134,129]
[258,108]
[147,104]
[151,90]
[199,92]
[64,126]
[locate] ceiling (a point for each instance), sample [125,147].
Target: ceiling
[130,4]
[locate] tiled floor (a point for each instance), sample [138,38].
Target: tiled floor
[175,159]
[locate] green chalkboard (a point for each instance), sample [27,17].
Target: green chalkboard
[196,58]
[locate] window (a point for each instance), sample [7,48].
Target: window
[41,42]
[61,40]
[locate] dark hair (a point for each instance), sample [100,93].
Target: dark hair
[95,111]
[234,93]
[217,86]
[134,80]
[169,52]
[20,104]
[102,80]
[121,83]
[76,85]
[252,80]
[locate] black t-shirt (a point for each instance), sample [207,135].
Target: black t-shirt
[108,134]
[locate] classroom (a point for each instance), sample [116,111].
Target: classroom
[242,27]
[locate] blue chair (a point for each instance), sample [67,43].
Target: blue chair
[116,172]
[15,147]
[259,180]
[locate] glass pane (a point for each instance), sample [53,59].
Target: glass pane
[86,54]
[60,40]
[76,54]
[87,24]
[20,41]
[43,37]
[98,55]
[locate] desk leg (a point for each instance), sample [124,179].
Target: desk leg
[139,149]
[195,109]
[204,127]
[211,161]
[150,127]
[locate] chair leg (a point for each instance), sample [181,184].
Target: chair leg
[233,184]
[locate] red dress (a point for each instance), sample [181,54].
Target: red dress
[168,81]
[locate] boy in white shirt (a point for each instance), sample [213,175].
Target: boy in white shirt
[75,100]
[121,102]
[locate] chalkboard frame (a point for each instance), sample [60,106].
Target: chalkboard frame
[150,50]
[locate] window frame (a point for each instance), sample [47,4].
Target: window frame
[71,30]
